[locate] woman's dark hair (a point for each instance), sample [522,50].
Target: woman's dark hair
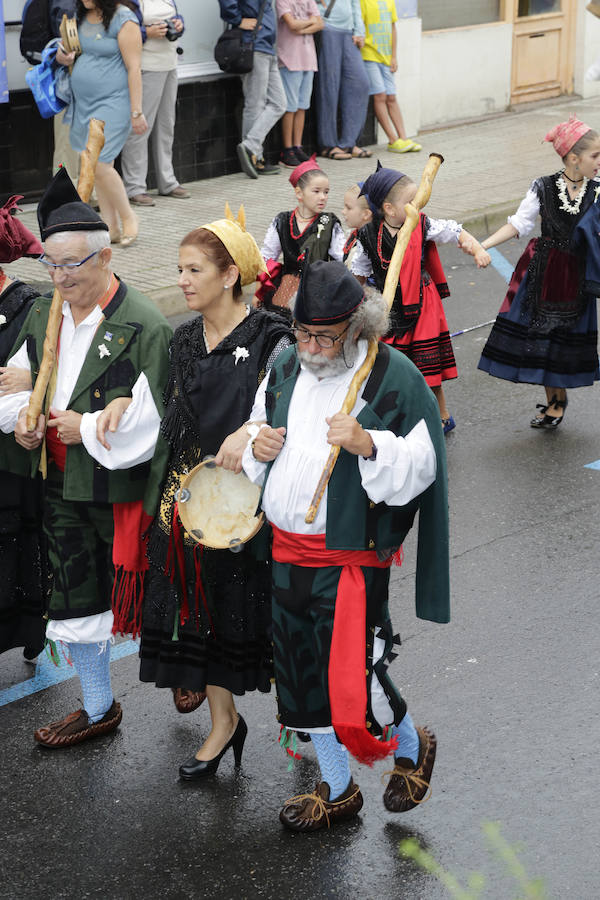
[215,249]
[107,7]
[585,141]
[307,177]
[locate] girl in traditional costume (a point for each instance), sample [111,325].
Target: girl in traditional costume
[306,232]
[25,578]
[207,613]
[356,213]
[418,321]
[546,330]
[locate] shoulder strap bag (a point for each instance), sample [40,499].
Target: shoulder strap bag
[234,53]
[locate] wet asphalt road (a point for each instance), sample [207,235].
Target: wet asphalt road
[510,687]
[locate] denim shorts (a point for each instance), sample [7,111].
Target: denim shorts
[381,79]
[298,88]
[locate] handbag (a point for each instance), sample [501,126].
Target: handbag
[42,82]
[234,53]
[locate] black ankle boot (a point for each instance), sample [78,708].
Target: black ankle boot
[194,768]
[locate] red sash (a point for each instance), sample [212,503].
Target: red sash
[347,684]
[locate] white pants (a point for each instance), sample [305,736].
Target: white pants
[159,92]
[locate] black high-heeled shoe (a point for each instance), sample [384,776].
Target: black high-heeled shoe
[194,768]
[546,421]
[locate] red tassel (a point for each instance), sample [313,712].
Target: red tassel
[127,602]
[363,746]
[398,556]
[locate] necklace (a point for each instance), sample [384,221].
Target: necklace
[205,338]
[572,180]
[384,262]
[572,208]
[294,219]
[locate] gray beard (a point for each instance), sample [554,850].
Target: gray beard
[329,368]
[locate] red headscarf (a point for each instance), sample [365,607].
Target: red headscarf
[311,165]
[15,240]
[563,137]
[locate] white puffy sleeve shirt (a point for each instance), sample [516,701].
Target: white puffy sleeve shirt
[442,231]
[403,469]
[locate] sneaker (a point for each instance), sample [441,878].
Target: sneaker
[247,161]
[264,168]
[179,193]
[301,154]
[142,200]
[402,146]
[289,159]
[415,147]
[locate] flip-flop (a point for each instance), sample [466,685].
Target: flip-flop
[362,153]
[333,153]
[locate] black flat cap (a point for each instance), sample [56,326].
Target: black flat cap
[327,293]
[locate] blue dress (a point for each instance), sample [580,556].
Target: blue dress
[100,87]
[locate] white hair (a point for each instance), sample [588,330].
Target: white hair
[371,319]
[96,239]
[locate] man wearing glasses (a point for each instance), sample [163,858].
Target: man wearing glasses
[112,349]
[331,627]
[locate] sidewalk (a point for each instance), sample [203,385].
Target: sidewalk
[488,167]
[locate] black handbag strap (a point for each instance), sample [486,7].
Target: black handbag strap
[327,12]
[259,18]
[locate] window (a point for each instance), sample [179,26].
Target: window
[457,13]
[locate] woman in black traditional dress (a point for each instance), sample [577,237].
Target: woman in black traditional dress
[222,645]
[547,329]
[24,583]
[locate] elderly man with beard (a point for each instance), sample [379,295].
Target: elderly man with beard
[331,627]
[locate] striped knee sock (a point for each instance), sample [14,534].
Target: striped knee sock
[92,664]
[333,762]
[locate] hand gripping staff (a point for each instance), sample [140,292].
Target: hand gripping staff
[89,158]
[389,292]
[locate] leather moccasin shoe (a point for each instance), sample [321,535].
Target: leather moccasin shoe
[76,728]
[409,784]
[178,193]
[311,812]
[187,701]
[142,200]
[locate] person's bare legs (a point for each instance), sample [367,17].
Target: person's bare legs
[298,127]
[224,721]
[441,399]
[287,124]
[381,111]
[395,115]
[113,200]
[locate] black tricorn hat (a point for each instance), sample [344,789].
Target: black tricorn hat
[62,209]
[327,293]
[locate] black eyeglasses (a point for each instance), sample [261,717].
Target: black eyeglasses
[325,341]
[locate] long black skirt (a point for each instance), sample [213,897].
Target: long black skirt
[25,581]
[226,640]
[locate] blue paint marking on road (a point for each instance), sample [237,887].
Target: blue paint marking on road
[594,465]
[47,674]
[501,264]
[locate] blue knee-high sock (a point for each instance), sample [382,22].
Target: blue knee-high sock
[333,762]
[408,739]
[92,664]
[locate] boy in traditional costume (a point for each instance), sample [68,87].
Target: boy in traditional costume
[112,343]
[331,626]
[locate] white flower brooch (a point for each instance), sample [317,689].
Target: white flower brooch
[240,353]
[2,321]
[103,350]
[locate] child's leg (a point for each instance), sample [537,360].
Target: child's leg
[381,111]
[441,399]
[287,125]
[298,128]
[393,111]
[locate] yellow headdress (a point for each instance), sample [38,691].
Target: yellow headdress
[242,247]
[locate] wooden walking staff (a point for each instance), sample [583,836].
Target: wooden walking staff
[85,185]
[389,292]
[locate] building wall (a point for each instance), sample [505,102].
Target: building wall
[465,72]
[587,42]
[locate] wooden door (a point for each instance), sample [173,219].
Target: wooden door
[542,49]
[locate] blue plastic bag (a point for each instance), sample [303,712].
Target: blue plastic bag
[42,81]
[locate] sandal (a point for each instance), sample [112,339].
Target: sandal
[543,420]
[359,152]
[335,153]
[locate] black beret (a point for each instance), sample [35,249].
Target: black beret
[327,293]
[378,185]
[61,209]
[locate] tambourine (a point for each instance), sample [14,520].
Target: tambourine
[217,508]
[69,35]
